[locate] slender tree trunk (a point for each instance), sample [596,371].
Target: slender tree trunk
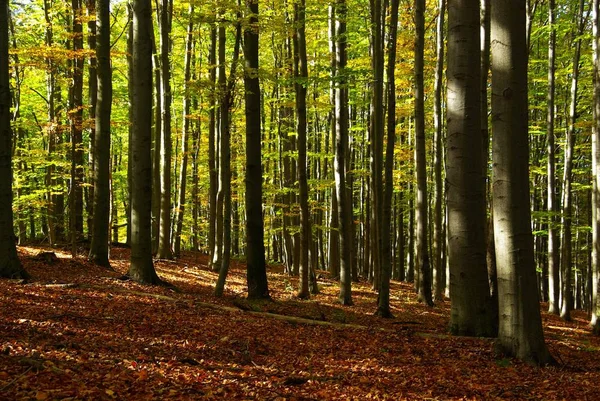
[10,266]
[383,307]
[93,93]
[99,245]
[225,160]
[255,247]
[164,239]
[181,202]
[76,116]
[566,251]
[341,145]
[520,327]
[376,136]
[553,246]
[141,267]
[438,240]
[212,143]
[422,253]
[301,75]
[595,322]
[130,74]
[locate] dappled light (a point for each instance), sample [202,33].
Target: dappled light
[93,335]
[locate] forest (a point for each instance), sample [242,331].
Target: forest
[283,199]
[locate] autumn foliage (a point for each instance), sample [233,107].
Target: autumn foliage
[79,332]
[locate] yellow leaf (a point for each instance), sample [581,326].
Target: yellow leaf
[109,392]
[41,395]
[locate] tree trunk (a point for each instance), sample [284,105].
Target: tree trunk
[93,94]
[301,75]
[438,240]
[520,327]
[383,307]
[180,211]
[10,266]
[595,322]
[255,247]
[164,239]
[141,267]
[76,117]
[422,253]
[101,201]
[225,158]
[212,144]
[566,257]
[465,175]
[341,146]
[376,136]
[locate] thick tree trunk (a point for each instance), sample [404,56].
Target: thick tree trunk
[10,266]
[101,201]
[141,267]
[520,327]
[255,247]
[471,303]
[421,248]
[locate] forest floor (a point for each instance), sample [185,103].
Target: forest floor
[79,332]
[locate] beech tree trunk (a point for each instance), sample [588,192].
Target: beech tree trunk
[101,201]
[10,266]
[301,75]
[164,238]
[595,322]
[520,327]
[387,265]
[438,240]
[181,202]
[465,176]
[341,146]
[421,248]
[255,247]
[141,267]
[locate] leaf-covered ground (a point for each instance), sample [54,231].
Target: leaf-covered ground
[76,332]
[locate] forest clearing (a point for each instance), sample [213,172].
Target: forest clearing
[78,331]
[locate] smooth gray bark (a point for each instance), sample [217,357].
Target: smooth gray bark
[142,267]
[101,201]
[520,326]
[465,176]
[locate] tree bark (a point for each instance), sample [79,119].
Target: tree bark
[141,267]
[164,239]
[101,201]
[255,247]
[422,253]
[181,202]
[383,307]
[438,240]
[520,327]
[10,266]
[465,175]
[553,246]
[595,322]
[301,75]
